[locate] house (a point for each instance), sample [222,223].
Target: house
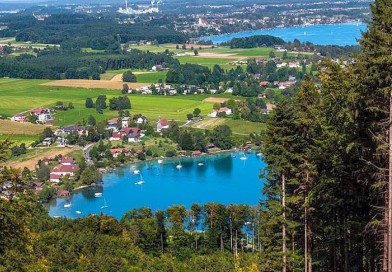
[63,193]
[63,170]
[37,185]
[115,152]
[19,117]
[294,64]
[116,137]
[141,120]
[269,108]
[43,118]
[125,122]
[112,124]
[197,153]
[156,68]
[215,113]
[263,83]
[67,161]
[47,141]
[134,137]
[162,124]
[55,178]
[39,111]
[64,131]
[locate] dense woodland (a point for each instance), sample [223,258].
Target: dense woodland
[327,202]
[78,31]
[53,63]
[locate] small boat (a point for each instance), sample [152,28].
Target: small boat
[259,154]
[141,181]
[98,194]
[243,157]
[200,164]
[136,171]
[160,161]
[105,204]
[179,165]
[68,205]
[78,212]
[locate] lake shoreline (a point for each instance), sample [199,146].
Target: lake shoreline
[248,33]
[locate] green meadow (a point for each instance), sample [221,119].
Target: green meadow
[17,95]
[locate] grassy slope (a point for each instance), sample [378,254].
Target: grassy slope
[18,95]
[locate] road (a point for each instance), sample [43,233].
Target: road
[86,154]
[193,121]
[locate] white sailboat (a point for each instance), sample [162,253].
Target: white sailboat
[98,194]
[160,161]
[136,172]
[68,205]
[141,181]
[105,204]
[243,157]
[78,212]
[179,165]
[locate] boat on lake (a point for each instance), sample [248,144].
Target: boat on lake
[200,164]
[68,205]
[160,161]
[136,172]
[179,165]
[98,194]
[141,181]
[243,157]
[105,205]
[78,212]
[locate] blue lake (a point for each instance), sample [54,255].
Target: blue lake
[334,34]
[224,178]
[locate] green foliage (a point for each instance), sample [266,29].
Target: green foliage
[221,137]
[128,76]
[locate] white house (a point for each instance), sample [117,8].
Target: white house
[19,117]
[63,170]
[215,113]
[124,122]
[162,124]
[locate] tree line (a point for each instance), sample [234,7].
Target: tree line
[329,176]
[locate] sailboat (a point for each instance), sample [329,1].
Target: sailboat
[68,205]
[160,161]
[105,204]
[136,171]
[243,157]
[98,194]
[141,181]
[78,212]
[179,165]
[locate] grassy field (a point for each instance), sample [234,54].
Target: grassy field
[17,95]
[141,76]
[239,127]
[209,62]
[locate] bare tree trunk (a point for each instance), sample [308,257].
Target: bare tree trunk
[284,251]
[162,243]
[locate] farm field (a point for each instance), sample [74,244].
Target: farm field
[92,84]
[141,76]
[17,95]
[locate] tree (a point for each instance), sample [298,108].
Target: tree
[216,106]
[221,137]
[196,112]
[71,106]
[196,52]
[91,120]
[125,88]
[374,77]
[189,116]
[128,76]
[271,54]
[89,103]
[100,103]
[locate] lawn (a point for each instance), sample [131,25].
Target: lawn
[209,62]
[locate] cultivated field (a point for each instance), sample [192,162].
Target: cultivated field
[147,77]
[15,128]
[92,84]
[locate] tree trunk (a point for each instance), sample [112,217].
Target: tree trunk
[390,187]
[284,265]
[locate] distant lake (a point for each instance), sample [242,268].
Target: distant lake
[223,178]
[334,34]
